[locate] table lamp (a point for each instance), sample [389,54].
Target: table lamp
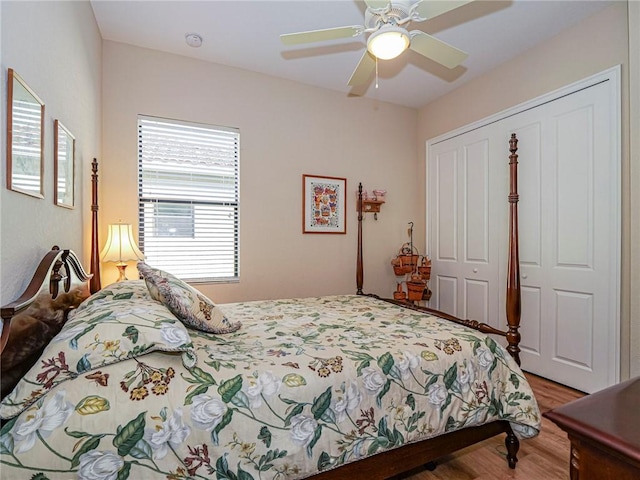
[120,248]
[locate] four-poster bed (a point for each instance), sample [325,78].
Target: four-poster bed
[331,387]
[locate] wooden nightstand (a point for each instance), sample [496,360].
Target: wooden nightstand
[604,430]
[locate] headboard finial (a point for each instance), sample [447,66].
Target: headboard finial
[513,144]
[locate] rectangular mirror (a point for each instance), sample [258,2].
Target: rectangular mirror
[63,165]
[25,138]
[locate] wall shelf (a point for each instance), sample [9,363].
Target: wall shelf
[371,206]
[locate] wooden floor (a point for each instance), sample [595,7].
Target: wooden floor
[545,457]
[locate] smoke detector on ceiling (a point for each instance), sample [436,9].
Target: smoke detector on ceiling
[193,40]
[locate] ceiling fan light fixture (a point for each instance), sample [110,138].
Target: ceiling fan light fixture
[388,42]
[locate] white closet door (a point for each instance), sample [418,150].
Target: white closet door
[567,215]
[466,187]
[569,211]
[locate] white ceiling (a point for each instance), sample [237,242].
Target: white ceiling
[245,34]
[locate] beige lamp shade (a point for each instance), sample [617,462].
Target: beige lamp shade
[120,247]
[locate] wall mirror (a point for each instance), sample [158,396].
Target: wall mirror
[25,138]
[63,165]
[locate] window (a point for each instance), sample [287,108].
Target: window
[188,198]
[174,220]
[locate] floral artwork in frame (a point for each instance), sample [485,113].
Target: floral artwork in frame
[323,204]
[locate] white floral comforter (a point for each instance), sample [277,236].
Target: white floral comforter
[305,385]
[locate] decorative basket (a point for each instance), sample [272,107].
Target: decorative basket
[398,268]
[399,294]
[415,289]
[409,257]
[409,262]
[424,269]
[396,263]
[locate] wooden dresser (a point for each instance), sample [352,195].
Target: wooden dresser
[604,430]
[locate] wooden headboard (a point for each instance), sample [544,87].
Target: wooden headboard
[59,272]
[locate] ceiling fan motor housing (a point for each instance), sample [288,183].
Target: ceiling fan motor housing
[393,13]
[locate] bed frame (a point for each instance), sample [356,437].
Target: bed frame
[60,270]
[513,268]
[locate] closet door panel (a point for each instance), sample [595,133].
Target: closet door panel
[476,202]
[465,263]
[478,270]
[444,193]
[580,331]
[446,170]
[531,321]
[567,226]
[574,188]
[476,300]
[574,319]
[446,289]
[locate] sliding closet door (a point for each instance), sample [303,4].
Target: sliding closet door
[569,222]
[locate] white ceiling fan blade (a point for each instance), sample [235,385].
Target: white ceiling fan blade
[428,9]
[363,71]
[320,35]
[376,4]
[436,50]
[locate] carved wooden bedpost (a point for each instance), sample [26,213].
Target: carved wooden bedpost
[94,285]
[359,264]
[513,271]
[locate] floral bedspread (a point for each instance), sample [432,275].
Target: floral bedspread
[305,385]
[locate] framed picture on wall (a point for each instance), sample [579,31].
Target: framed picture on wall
[63,165]
[324,204]
[25,138]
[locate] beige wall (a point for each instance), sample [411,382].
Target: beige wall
[56,48]
[287,129]
[574,54]
[597,43]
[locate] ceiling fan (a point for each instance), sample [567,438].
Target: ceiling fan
[385,21]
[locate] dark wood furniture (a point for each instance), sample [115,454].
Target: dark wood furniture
[95,284]
[383,465]
[604,430]
[59,271]
[408,457]
[393,462]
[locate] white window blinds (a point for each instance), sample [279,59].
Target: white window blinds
[188,191]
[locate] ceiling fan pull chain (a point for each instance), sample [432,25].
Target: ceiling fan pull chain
[376,72]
